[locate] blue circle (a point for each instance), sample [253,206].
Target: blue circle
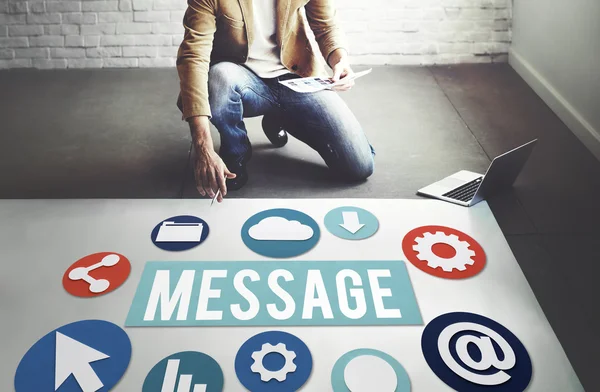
[203,369]
[280,247]
[183,224]
[36,371]
[520,373]
[274,361]
[338,381]
[351,223]
[294,380]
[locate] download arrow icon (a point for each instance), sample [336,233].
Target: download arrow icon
[351,222]
[73,357]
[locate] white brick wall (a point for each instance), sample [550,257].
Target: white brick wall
[146,33]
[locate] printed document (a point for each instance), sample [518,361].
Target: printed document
[314,84]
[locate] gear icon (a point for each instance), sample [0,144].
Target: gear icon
[267,375]
[462,258]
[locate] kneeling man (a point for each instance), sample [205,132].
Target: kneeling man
[233,55]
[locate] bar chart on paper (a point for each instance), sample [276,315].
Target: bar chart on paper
[185,380]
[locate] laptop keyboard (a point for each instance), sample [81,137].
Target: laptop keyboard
[464,192]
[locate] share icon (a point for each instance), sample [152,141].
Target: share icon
[111,271]
[96,285]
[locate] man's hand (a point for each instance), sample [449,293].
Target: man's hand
[211,173]
[340,63]
[209,169]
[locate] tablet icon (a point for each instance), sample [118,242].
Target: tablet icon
[85,356]
[96,274]
[470,352]
[180,233]
[187,371]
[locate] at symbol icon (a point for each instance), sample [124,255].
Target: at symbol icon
[472,353]
[489,358]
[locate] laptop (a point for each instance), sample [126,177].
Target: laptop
[467,188]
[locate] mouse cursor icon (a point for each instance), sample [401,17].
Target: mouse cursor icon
[73,357]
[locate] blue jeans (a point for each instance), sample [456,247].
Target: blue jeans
[322,120]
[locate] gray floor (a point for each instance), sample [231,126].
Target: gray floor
[118,134]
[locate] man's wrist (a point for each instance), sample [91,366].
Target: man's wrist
[197,121]
[200,131]
[202,146]
[336,56]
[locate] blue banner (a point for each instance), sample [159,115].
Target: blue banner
[292,293]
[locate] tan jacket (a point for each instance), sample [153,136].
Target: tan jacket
[222,30]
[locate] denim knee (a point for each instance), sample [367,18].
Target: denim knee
[222,89]
[351,165]
[361,169]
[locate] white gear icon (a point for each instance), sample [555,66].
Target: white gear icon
[267,375]
[462,258]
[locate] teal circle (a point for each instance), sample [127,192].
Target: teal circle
[335,218]
[281,248]
[203,369]
[337,374]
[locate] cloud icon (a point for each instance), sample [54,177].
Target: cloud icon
[276,228]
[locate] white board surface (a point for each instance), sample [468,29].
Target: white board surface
[40,239]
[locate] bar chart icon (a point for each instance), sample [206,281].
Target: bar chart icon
[185,380]
[186,371]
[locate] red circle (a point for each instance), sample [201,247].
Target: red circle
[443,250]
[116,274]
[409,241]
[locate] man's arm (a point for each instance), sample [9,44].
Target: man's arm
[193,58]
[193,62]
[210,171]
[321,16]
[322,21]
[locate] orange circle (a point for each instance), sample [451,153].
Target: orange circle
[116,275]
[479,259]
